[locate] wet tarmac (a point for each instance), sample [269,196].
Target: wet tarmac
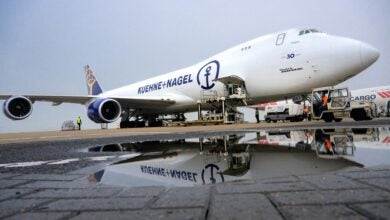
[200,159]
[281,171]
[249,156]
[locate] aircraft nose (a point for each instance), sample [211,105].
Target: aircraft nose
[368,54]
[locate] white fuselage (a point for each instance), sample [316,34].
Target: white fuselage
[272,67]
[379,95]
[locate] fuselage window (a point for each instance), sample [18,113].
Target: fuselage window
[280,39]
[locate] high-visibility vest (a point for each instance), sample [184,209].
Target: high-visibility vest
[324,100]
[78,120]
[328,145]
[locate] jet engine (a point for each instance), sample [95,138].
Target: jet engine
[104,110]
[17,107]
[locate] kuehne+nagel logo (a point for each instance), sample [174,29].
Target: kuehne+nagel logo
[207,74]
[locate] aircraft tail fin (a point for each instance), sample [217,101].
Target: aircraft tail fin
[92,84]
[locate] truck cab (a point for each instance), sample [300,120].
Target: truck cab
[329,103]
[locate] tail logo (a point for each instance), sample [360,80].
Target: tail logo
[91,80]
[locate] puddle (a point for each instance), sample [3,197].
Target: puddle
[245,156]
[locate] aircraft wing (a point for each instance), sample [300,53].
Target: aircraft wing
[128,101]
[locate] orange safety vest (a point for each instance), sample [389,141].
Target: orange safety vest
[328,145]
[324,100]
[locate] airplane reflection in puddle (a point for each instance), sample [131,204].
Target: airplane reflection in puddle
[248,156]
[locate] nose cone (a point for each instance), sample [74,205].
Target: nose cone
[368,54]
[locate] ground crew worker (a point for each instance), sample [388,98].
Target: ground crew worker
[305,112]
[328,146]
[79,122]
[257,115]
[324,101]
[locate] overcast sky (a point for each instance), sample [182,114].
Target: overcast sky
[45,44]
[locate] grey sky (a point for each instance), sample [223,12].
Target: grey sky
[45,44]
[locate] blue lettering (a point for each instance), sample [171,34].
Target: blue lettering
[174,82]
[179,80]
[184,175]
[175,174]
[194,175]
[290,56]
[185,79]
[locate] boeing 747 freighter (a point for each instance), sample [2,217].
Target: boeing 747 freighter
[268,68]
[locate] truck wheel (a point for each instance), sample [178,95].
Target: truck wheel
[338,119]
[274,121]
[268,120]
[358,114]
[327,117]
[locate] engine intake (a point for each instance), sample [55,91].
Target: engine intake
[17,107]
[104,110]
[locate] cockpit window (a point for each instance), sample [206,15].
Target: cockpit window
[308,31]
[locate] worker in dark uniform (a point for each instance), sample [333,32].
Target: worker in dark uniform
[78,120]
[257,115]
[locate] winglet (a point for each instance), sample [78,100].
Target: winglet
[92,84]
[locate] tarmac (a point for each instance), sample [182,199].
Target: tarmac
[68,192]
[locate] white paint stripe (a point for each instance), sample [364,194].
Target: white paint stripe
[64,161]
[102,158]
[24,164]
[126,156]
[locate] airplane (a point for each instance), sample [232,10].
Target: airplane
[271,67]
[380,95]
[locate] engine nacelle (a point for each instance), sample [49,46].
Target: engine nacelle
[17,107]
[104,110]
